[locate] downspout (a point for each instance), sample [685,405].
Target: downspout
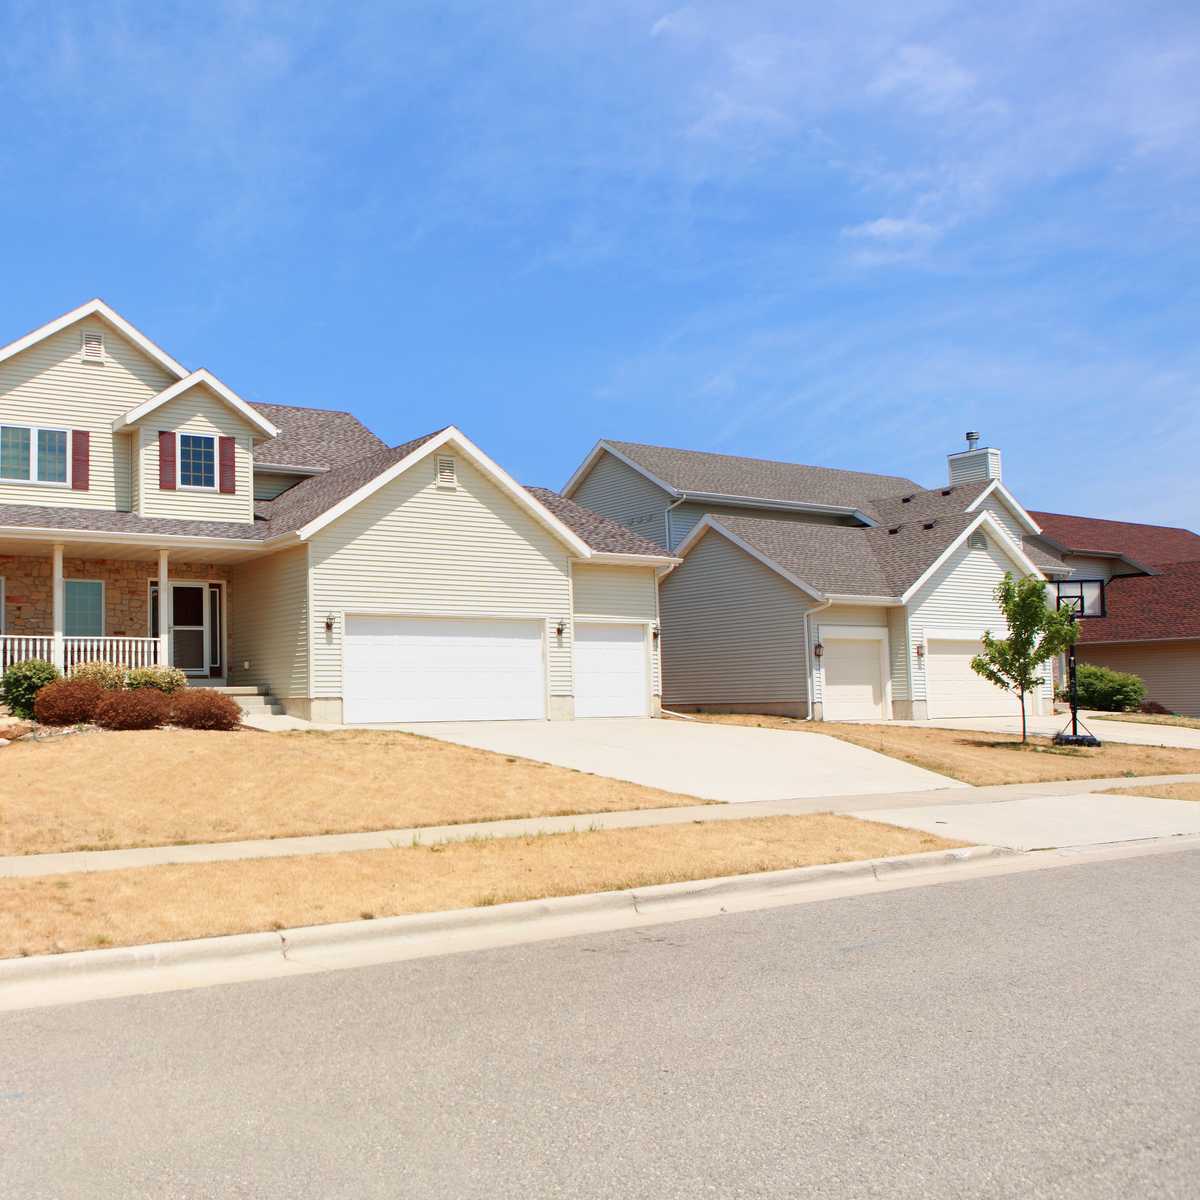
[667,518]
[808,655]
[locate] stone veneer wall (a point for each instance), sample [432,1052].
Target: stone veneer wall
[28,584]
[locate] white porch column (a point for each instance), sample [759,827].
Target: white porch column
[164,612]
[56,610]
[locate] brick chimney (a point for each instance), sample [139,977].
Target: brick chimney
[974,463]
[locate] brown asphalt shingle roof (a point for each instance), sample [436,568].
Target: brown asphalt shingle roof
[1148,607]
[1149,544]
[314,437]
[763,479]
[601,533]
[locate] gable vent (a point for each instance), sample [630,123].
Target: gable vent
[447,477]
[93,346]
[977,541]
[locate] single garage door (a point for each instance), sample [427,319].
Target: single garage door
[852,679]
[610,671]
[954,690]
[443,669]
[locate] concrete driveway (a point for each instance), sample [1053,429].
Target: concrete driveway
[1048,822]
[1111,731]
[714,762]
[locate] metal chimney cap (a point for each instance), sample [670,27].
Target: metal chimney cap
[972,440]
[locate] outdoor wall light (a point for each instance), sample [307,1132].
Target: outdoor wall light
[561,627]
[329,620]
[920,649]
[655,632]
[818,650]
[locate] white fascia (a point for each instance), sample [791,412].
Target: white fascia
[1005,542]
[633,560]
[96,308]
[709,522]
[451,435]
[231,398]
[288,469]
[1010,501]
[182,541]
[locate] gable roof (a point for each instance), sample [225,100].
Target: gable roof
[314,438]
[96,308]
[1164,606]
[707,475]
[1153,544]
[838,560]
[198,378]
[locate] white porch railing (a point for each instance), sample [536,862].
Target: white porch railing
[124,651]
[17,647]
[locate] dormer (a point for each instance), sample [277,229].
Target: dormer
[192,451]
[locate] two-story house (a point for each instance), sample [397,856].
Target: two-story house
[149,514]
[811,591]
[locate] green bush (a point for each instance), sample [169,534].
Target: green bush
[167,680]
[104,675]
[1107,690]
[22,682]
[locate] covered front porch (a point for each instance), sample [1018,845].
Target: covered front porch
[132,607]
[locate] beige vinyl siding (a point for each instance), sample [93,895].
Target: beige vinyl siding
[613,593]
[689,514]
[269,484]
[414,548]
[1004,518]
[268,623]
[959,596]
[732,630]
[1171,670]
[899,654]
[974,465]
[824,622]
[1095,568]
[616,490]
[48,385]
[198,410]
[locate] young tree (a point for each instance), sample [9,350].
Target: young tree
[1036,633]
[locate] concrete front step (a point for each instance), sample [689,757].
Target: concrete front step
[259,704]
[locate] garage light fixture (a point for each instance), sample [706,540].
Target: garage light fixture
[329,620]
[561,627]
[818,650]
[920,649]
[655,631]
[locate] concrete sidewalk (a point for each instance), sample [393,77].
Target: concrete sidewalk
[870,807]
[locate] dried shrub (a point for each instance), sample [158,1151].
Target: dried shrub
[1154,709]
[22,682]
[202,708]
[145,708]
[106,675]
[67,702]
[167,680]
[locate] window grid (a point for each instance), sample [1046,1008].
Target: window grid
[197,460]
[32,455]
[52,456]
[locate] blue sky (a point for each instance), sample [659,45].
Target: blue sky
[837,234]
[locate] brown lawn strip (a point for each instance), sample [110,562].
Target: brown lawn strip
[98,791]
[1148,719]
[55,913]
[984,759]
[1160,791]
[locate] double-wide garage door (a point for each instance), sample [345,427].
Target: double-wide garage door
[954,690]
[452,669]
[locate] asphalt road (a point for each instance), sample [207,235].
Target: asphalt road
[1033,1035]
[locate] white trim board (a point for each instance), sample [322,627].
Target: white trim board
[1010,502]
[96,308]
[196,378]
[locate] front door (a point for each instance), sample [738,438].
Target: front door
[194,626]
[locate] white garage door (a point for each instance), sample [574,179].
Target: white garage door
[435,669]
[852,679]
[610,671]
[954,690]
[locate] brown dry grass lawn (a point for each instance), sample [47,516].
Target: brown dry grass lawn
[1161,791]
[150,904]
[989,758]
[98,791]
[1148,719]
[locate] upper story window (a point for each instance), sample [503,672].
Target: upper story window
[1085,596]
[197,460]
[32,455]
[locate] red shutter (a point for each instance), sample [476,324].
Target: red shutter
[166,461]
[81,459]
[228,473]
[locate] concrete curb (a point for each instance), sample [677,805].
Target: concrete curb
[242,949]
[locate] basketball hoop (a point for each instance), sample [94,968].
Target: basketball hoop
[1074,605]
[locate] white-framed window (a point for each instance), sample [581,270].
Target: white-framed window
[30,454]
[83,607]
[197,459]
